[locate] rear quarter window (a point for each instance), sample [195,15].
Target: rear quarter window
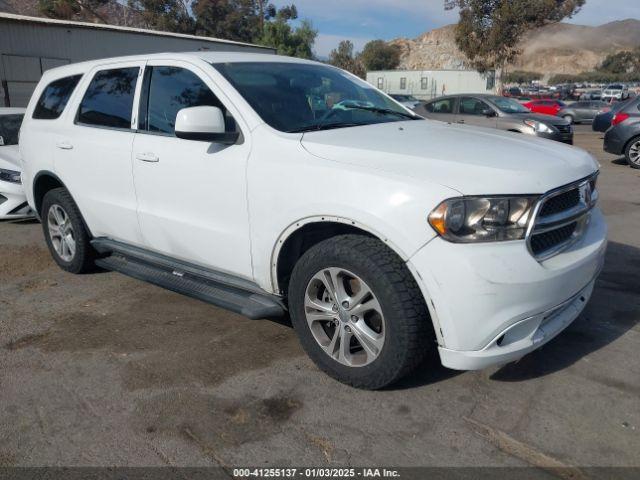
[54,98]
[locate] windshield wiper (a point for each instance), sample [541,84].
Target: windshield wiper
[384,111]
[325,126]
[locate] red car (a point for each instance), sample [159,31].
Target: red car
[547,106]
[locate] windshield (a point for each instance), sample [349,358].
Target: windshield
[293,97]
[9,128]
[508,105]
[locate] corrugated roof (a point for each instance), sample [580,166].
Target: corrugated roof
[117,28]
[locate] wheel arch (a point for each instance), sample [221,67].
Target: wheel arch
[303,234]
[43,182]
[633,138]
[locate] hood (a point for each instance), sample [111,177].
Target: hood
[473,161]
[538,117]
[10,157]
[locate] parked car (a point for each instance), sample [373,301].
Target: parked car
[545,106]
[591,95]
[13,202]
[382,233]
[503,113]
[623,137]
[408,101]
[602,121]
[616,91]
[579,112]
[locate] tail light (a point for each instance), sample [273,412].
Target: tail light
[619,118]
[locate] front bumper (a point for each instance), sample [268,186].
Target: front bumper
[13,202]
[564,137]
[493,303]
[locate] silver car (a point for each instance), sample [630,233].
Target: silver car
[583,111]
[492,111]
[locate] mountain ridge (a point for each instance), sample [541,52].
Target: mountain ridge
[553,49]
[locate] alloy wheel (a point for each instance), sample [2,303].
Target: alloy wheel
[345,317]
[61,233]
[634,153]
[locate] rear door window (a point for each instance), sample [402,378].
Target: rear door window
[54,98]
[441,106]
[108,101]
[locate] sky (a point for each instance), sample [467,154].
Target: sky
[364,20]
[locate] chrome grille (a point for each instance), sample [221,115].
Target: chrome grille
[560,203]
[561,217]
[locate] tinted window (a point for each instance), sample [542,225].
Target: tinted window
[55,97]
[472,106]
[109,98]
[441,106]
[9,129]
[170,89]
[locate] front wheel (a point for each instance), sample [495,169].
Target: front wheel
[632,153]
[569,119]
[358,311]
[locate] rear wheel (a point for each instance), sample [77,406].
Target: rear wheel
[569,119]
[358,311]
[65,233]
[632,153]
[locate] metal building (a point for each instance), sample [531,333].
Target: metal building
[428,84]
[31,45]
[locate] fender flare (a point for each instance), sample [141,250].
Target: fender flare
[49,173]
[297,225]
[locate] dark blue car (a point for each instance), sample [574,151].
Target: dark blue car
[602,121]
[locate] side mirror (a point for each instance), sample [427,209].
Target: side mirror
[488,112]
[205,124]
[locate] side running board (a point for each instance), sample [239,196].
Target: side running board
[231,293]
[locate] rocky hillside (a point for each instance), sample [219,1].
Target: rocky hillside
[559,48]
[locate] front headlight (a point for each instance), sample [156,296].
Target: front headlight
[482,219]
[539,127]
[10,176]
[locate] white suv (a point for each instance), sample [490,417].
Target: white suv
[266,184]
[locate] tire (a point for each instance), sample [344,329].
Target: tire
[68,240]
[569,119]
[633,159]
[400,315]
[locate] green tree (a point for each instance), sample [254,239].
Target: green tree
[165,15]
[622,62]
[489,31]
[294,42]
[68,9]
[343,57]
[520,77]
[230,19]
[379,55]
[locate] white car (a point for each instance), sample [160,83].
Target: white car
[615,91]
[266,184]
[13,202]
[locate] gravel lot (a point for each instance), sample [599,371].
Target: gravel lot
[103,370]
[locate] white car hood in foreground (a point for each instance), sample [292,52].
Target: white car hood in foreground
[10,157]
[473,161]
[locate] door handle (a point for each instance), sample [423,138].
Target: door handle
[460,121]
[64,145]
[147,157]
